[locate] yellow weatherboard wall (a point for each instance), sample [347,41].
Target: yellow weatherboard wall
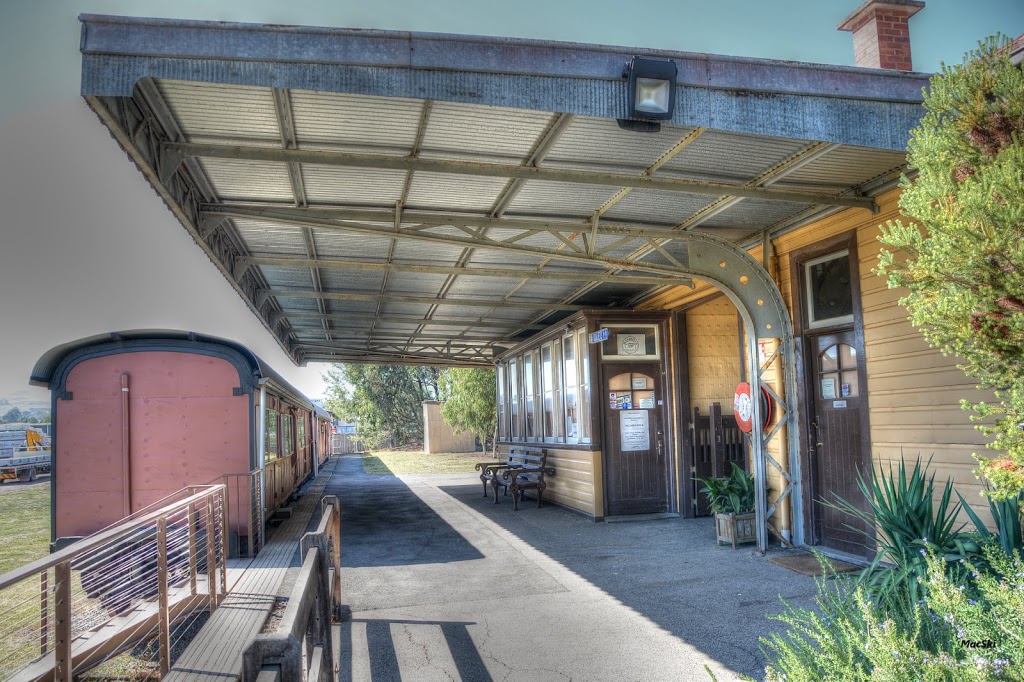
[713,347]
[577,480]
[914,391]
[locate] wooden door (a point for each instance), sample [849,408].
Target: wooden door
[837,438]
[635,461]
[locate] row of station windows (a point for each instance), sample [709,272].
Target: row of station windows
[544,392]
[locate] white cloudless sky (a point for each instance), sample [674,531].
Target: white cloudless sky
[87,247]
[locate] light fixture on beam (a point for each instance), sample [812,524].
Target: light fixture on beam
[651,87]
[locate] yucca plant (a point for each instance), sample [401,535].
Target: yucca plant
[1006,515]
[903,508]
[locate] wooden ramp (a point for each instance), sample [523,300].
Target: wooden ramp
[216,652]
[120,633]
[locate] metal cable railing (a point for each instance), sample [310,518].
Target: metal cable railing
[130,583]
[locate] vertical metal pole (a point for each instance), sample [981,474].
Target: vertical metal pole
[62,614]
[211,554]
[126,456]
[164,606]
[44,612]
[757,440]
[193,562]
[262,436]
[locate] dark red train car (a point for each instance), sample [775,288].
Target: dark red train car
[139,415]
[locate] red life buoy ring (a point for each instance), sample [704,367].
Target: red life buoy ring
[743,408]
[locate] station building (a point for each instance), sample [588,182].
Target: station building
[626,235]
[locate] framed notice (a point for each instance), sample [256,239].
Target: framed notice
[828,389]
[634,430]
[631,342]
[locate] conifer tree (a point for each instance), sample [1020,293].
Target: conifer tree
[961,260]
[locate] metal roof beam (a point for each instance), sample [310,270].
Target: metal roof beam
[283,217]
[496,170]
[414,320]
[519,273]
[426,300]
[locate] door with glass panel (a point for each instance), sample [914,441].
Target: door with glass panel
[837,431]
[636,466]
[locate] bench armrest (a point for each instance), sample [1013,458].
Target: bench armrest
[481,466]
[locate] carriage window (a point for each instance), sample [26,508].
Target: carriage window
[270,436]
[286,434]
[829,294]
[837,367]
[301,431]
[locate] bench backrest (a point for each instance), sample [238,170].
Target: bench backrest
[527,458]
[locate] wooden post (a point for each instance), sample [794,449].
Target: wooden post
[164,607]
[44,612]
[211,554]
[717,446]
[193,562]
[225,547]
[62,614]
[250,551]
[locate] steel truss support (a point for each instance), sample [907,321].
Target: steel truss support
[697,255]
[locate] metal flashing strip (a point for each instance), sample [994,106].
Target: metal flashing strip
[756,96]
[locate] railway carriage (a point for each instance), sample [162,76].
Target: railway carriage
[139,415]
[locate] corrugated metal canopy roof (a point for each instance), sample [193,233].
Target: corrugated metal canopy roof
[363,227]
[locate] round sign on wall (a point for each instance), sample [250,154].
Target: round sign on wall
[743,408]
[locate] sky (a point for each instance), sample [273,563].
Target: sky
[87,247]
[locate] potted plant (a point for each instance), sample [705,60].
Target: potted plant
[732,502]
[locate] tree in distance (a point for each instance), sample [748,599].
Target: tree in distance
[471,402]
[384,401]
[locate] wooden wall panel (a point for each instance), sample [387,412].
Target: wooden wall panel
[914,391]
[712,341]
[577,482]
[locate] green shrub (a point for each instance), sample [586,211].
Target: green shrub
[732,494]
[851,638]
[903,508]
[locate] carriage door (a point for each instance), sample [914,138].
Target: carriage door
[636,464]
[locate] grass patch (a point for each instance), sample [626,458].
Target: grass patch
[403,462]
[24,525]
[24,537]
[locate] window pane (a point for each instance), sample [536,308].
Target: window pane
[829,361]
[514,398]
[584,365]
[571,387]
[528,388]
[848,387]
[270,446]
[847,356]
[829,294]
[502,391]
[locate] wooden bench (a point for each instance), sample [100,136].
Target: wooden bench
[525,471]
[529,466]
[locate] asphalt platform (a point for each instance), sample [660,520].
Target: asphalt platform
[445,585]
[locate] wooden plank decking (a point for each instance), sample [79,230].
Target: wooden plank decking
[216,652]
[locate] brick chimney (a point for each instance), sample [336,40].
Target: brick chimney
[881,33]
